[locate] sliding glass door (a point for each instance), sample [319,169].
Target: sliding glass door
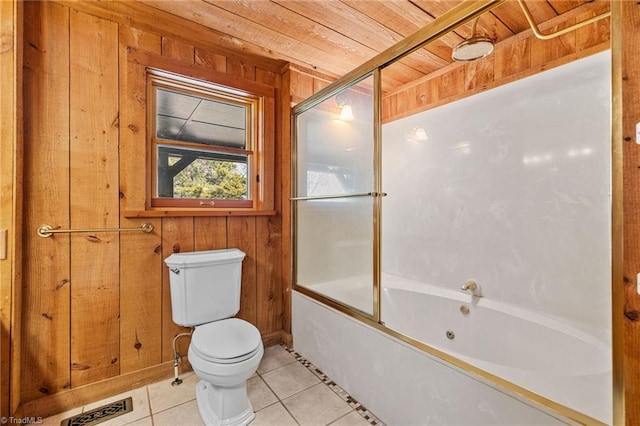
[334,197]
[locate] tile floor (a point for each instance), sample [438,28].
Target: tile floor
[286,390]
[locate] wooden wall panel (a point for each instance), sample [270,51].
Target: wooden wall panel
[512,59]
[241,234]
[271,172]
[134,38]
[628,94]
[594,34]
[132,131]
[210,233]
[210,60]
[11,60]
[178,50]
[301,85]
[450,84]
[478,73]
[240,68]
[269,248]
[94,200]
[45,338]
[141,266]
[132,114]
[544,51]
[140,254]
[177,237]
[268,274]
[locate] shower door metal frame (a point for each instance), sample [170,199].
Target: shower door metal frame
[375,194]
[461,14]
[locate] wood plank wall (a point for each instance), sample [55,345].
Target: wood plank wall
[515,58]
[10,191]
[628,85]
[97,306]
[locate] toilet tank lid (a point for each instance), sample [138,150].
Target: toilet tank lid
[207,257]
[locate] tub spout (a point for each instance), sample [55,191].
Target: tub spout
[473,287]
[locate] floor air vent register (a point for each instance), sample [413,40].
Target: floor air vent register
[100,414]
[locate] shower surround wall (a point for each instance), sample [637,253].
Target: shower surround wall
[511,189]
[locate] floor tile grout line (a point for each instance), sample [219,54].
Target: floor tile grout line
[290,413]
[285,408]
[293,394]
[344,395]
[172,407]
[146,391]
[278,367]
[340,418]
[152,413]
[281,401]
[150,407]
[269,387]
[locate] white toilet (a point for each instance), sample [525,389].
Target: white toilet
[224,351]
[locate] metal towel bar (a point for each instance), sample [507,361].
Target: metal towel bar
[48,230]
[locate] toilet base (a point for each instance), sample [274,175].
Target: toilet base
[224,406]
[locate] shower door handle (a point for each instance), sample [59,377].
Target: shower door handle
[329,197]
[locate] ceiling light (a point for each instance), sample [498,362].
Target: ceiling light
[346,112]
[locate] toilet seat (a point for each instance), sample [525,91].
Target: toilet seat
[227,341]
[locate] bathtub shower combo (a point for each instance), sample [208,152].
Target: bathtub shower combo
[480,230]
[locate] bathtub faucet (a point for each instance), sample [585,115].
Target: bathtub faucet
[473,287]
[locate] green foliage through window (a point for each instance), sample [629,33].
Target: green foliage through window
[212,179]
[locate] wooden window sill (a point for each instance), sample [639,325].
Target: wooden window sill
[168,212]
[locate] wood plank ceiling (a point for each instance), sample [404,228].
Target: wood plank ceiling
[335,36]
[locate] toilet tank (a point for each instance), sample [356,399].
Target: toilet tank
[205,285]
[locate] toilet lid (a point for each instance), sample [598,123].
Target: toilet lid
[226,341]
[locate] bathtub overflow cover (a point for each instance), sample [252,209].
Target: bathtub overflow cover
[451,335]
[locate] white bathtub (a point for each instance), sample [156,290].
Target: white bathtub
[399,383]
[545,355]
[563,362]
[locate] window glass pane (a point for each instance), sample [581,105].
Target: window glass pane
[190,118]
[187,173]
[335,144]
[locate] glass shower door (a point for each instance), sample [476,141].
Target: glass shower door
[333,197]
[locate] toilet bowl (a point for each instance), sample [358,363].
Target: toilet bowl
[224,354]
[224,351]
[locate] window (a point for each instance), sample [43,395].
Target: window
[204,143]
